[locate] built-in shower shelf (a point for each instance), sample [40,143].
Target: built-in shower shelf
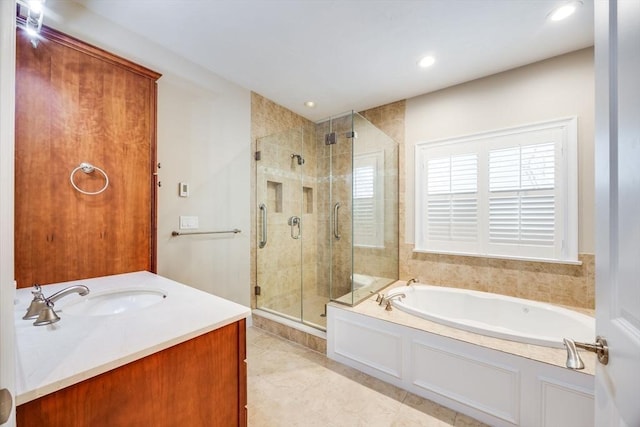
[274,196]
[307,200]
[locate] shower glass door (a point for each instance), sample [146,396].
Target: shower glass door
[280,223]
[287,229]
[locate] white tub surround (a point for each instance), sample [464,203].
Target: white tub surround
[78,347]
[494,315]
[499,382]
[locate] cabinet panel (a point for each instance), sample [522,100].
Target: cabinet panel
[201,382]
[76,103]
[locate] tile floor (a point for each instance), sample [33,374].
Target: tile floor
[290,385]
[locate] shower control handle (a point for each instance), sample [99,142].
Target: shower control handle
[336,228]
[294,221]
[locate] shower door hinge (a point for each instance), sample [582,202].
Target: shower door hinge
[351,134]
[257,290]
[257,156]
[330,138]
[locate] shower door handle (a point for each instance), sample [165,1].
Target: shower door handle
[295,221]
[336,228]
[263,238]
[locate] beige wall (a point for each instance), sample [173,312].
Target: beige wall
[203,139]
[558,87]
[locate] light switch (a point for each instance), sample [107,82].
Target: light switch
[188,222]
[183,189]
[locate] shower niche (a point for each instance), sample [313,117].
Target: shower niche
[327,217]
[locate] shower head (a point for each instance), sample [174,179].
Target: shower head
[298,158]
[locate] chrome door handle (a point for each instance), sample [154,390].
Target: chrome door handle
[293,222]
[336,228]
[263,239]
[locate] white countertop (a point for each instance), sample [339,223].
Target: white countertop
[55,356]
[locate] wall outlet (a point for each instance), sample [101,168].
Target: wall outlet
[188,222]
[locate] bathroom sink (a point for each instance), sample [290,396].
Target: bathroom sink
[112,302]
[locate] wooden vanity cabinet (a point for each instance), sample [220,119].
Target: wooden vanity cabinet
[199,383]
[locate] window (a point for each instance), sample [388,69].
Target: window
[509,193]
[368,198]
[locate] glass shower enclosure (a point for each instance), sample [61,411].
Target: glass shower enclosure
[327,217]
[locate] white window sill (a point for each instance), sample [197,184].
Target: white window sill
[513,258]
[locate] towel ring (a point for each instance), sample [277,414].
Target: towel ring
[89,168]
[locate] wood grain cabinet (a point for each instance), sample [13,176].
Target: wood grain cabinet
[199,383]
[77,103]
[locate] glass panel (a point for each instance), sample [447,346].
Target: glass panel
[280,198]
[315,294]
[363,199]
[375,259]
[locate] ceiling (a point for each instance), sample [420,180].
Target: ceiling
[352,54]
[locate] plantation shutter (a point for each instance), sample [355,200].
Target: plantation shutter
[521,195]
[507,193]
[363,200]
[368,221]
[452,203]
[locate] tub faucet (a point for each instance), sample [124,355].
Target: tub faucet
[42,307]
[573,358]
[412,280]
[388,299]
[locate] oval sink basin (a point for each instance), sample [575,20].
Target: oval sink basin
[108,303]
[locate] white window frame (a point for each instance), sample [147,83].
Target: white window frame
[565,242]
[375,239]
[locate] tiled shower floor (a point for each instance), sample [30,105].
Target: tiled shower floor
[290,385]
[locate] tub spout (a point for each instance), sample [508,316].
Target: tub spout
[412,280]
[573,358]
[574,361]
[388,299]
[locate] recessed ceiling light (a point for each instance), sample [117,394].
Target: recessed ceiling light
[427,61]
[310,104]
[564,11]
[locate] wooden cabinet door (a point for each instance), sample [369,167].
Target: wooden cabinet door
[76,103]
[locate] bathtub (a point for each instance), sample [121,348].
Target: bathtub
[494,315]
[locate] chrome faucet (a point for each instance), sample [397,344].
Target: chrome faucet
[81,290]
[388,299]
[42,307]
[412,280]
[573,358]
[37,303]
